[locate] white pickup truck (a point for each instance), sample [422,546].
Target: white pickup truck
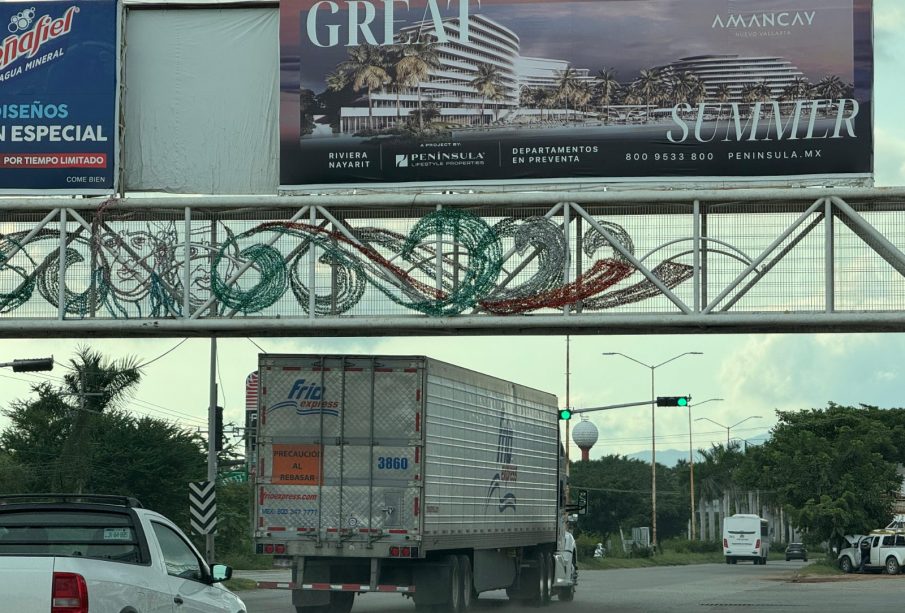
[104,554]
[881,550]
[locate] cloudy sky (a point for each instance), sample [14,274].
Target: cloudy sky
[755,374]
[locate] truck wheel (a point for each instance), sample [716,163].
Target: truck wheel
[550,577]
[467,583]
[454,589]
[542,593]
[845,564]
[892,566]
[567,594]
[728,561]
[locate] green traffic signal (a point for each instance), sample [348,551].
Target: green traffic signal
[673,401]
[565,414]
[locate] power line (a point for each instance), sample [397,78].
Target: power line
[164,354]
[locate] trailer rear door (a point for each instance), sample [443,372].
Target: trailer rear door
[340,442]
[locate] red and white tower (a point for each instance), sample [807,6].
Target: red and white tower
[585,435]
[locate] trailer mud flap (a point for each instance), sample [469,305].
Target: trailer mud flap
[431,580]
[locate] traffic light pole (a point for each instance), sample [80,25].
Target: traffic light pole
[613,406]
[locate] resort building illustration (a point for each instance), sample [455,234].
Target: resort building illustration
[486,82]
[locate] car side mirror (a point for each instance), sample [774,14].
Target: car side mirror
[221,572]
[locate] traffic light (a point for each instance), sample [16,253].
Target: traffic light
[565,414]
[218,428]
[673,401]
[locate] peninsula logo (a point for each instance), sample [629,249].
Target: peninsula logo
[440,159]
[756,21]
[307,398]
[25,42]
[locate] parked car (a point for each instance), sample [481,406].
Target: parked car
[796,551]
[60,552]
[881,550]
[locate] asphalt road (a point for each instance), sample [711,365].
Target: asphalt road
[679,589]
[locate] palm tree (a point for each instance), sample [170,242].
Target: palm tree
[419,57]
[366,68]
[830,87]
[393,56]
[582,95]
[798,89]
[723,93]
[96,384]
[687,87]
[607,87]
[487,83]
[648,85]
[567,82]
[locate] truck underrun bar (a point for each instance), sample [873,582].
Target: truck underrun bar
[335,587]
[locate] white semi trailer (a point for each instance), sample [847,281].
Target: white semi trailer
[409,475]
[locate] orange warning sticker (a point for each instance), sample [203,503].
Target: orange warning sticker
[296,465]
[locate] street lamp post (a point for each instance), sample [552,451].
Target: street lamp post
[728,428]
[691,461]
[653,434]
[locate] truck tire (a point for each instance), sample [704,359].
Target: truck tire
[467,594]
[542,593]
[566,594]
[845,564]
[549,578]
[454,588]
[892,566]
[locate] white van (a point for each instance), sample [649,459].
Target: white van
[746,537]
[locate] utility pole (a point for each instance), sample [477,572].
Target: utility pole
[211,440]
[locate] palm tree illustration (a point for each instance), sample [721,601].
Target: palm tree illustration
[487,83]
[798,89]
[393,55]
[687,87]
[582,96]
[606,89]
[365,68]
[419,57]
[648,85]
[566,85]
[830,87]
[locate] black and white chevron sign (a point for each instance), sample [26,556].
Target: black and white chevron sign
[203,507]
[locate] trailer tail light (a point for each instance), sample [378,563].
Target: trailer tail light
[70,594]
[280,549]
[757,544]
[268,548]
[394,552]
[725,544]
[403,552]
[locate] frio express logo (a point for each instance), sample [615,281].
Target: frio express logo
[504,479]
[307,398]
[29,35]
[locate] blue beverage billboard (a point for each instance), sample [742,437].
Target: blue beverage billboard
[58,97]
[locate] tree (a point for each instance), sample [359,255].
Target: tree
[63,440]
[606,89]
[95,385]
[366,68]
[419,57]
[834,469]
[487,82]
[566,86]
[648,85]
